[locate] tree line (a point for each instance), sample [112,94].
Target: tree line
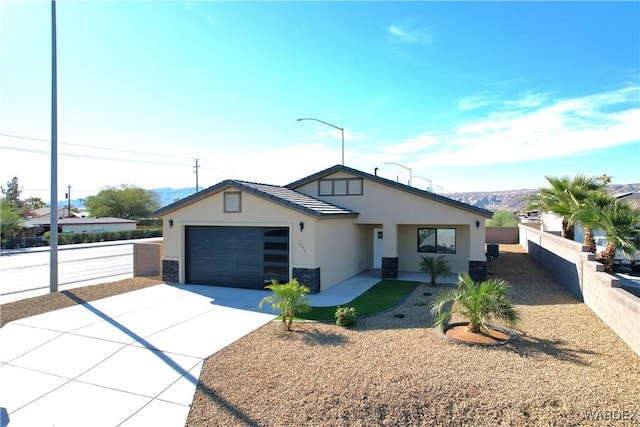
[124,201]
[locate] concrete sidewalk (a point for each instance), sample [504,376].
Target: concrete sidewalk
[132,359]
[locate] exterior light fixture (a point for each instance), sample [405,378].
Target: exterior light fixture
[477,224]
[170,223]
[301,225]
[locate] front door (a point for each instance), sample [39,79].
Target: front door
[377,248]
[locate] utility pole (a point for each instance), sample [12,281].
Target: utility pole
[195,170]
[53,238]
[67,195]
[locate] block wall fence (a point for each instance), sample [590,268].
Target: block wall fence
[574,267]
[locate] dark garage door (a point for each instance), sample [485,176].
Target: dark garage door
[247,257]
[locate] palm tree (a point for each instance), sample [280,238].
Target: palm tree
[595,201]
[435,267]
[619,222]
[290,298]
[477,302]
[565,196]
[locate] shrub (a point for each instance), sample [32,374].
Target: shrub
[345,316]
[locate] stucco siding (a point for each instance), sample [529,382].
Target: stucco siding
[381,203]
[255,212]
[343,249]
[409,257]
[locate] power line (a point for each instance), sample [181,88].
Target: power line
[87,156]
[95,147]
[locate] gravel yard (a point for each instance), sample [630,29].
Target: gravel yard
[566,368]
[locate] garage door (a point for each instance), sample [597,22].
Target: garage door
[247,257]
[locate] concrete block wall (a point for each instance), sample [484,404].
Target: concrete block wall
[506,235]
[574,266]
[147,259]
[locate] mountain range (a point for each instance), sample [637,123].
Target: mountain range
[511,200]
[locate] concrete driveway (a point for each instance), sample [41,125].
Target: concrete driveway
[129,360]
[132,359]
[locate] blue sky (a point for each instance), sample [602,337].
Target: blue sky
[476,96]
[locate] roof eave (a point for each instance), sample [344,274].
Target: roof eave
[432,196]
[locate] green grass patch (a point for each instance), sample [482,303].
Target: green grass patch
[382,296]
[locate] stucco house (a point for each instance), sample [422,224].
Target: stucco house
[321,229]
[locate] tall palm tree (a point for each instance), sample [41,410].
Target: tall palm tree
[565,197]
[593,202]
[619,222]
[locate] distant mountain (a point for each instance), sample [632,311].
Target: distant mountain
[513,200]
[170,195]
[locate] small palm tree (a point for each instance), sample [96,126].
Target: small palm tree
[479,303]
[436,267]
[290,298]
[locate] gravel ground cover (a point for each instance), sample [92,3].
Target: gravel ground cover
[567,367]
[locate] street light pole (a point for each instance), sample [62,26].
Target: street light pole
[426,179]
[402,166]
[333,126]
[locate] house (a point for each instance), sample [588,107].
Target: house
[321,229]
[46,212]
[83,225]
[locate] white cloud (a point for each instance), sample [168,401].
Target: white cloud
[473,102]
[414,35]
[533,127]
[413,145]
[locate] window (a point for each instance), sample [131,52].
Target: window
[340,187]
[437,240]
[232,201]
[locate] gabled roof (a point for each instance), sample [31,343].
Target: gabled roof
[281,195]
[633,199]
[402,187]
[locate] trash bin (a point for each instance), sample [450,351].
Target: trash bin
[493,250]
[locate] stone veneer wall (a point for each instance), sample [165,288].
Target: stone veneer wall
[574,266]
[170,271]
[389,268]
[478,271]
[309,277]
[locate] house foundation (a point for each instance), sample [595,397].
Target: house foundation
[389,267]
[309,277]
[170,271]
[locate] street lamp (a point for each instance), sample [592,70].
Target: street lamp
[430,188]
[333,126]
[398,164]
